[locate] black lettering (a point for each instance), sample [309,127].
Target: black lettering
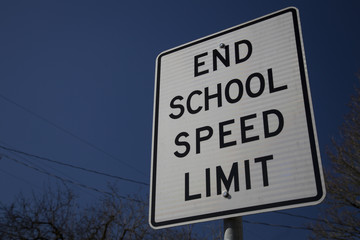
[204,138]
[173,105]
[245,128]
[215,95]
[273,89]
[197,64]
[280,126]
[208,189]
[189,197]
[223,133]
[247,174]
[264,168]
[182,143]
[220,177]
[238,59]
[240,91]
[217,55]
[188,105]
[248,85]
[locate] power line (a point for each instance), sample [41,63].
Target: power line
[298,216]
[305,217]
[70,134]
[23,158]
[66,180]
[286,226]
[279,225]
[18,178]
[75,167]
[54,176]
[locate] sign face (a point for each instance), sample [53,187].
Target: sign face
[233,130]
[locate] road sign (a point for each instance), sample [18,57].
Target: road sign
[233,130]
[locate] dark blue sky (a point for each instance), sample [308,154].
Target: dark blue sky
[77,85]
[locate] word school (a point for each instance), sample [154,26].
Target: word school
[221,94]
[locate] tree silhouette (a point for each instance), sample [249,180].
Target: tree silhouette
[56,215]
[341,218]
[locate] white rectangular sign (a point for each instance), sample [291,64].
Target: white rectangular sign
[233,130]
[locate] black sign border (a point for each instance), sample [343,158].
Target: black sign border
[308,111]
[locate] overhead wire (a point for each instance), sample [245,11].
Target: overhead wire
[36,167]
[287,226]
[298,216]
[53,175]
[66,180]
[279,225]
[18,178]
[74,166]
[308,228]
[42,166]
[71,134]
[305,217]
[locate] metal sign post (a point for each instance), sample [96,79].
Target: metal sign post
[233,228]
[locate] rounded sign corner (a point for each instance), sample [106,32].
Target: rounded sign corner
[159,56]
[320,196]
[153,224]
[292,9]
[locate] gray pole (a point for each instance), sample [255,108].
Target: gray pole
[233,228]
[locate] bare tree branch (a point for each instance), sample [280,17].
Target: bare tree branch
[341,217]
[56,215]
